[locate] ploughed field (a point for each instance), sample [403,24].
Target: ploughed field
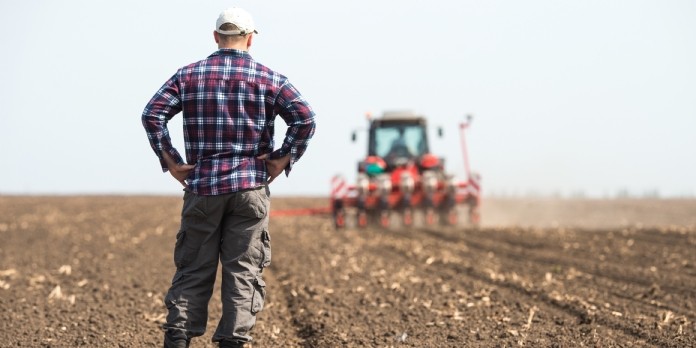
[92,271]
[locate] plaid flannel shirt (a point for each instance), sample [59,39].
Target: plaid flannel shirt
[229,103]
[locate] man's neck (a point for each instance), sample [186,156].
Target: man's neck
[241,47]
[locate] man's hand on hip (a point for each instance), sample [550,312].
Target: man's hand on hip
[275,166]
[179,171]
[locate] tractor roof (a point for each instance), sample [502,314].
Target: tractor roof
[399,117]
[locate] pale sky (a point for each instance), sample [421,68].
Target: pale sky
[567,96]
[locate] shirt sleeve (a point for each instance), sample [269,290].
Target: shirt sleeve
[162,107]
[299,117]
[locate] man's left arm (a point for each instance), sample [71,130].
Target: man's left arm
[299,117]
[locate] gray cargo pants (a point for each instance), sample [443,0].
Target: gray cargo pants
[231,228]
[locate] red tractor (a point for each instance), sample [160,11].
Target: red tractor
[401,175]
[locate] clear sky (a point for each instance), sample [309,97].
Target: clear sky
[567,96]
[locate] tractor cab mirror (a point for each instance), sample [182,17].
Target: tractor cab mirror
[440,132]
[353,136]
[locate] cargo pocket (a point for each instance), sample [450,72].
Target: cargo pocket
[257,298]
[195,207]
[179,249]
[266,240]
[252,203]
[186,248]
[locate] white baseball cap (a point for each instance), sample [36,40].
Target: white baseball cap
[237,16]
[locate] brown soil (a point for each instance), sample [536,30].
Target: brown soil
[92,271]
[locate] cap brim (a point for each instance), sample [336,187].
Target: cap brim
[235,32]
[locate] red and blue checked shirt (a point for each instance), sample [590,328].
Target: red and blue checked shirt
[229,103]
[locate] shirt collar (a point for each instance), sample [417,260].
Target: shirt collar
[231,52]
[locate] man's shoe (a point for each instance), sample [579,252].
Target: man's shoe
[230,344]
[180,343]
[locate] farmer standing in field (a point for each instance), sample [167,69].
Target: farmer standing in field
[229,103]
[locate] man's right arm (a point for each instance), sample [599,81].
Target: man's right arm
[179,171]
[162,107]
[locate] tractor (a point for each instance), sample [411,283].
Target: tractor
[400,176]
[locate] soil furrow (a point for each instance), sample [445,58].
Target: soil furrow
[598,268]
[579,311]
[550,304]
[647,297]
[616,271]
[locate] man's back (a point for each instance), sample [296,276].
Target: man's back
[229,103]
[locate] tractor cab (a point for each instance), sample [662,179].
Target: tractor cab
[396,140]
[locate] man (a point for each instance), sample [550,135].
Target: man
[229,103]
